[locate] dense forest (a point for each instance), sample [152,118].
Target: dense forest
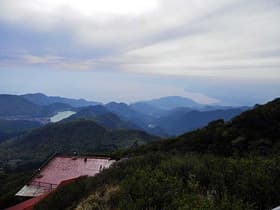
[234,165]
[79,136]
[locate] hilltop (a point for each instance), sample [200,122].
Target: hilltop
[80,136]
[102,116]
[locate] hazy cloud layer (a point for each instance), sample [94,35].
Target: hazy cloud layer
[228,38]
[222,39]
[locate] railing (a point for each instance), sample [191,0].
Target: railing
[36,172]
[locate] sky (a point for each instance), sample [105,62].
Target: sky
[214,51]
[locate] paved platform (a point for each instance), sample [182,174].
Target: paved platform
[32,191]
[60,169]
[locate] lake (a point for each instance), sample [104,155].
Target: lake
[61,115]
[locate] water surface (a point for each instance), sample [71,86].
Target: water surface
[61,115]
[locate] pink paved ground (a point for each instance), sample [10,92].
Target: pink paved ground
[63,168]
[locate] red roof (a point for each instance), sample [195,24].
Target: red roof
[64,168]
[60,171]
[28,204]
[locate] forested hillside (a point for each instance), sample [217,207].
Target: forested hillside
[11,128]
[81,136]
[232,165]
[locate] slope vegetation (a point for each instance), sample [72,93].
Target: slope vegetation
[233,165]
[11,128]
[81,136]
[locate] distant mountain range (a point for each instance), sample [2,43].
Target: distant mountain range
[167,116]
[253,132]
[13,105]
[43,100]
[181,121]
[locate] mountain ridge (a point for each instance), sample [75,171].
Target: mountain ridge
[102,116]
[43,100]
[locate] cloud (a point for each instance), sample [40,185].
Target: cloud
[220,38]
[31,59]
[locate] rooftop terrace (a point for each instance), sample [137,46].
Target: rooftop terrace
[60,169]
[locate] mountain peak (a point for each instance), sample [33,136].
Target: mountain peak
[35,94]
[172,102]
[116,104]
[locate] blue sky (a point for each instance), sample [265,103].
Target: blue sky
[219,51]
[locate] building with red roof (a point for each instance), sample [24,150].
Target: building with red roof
[57,172]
